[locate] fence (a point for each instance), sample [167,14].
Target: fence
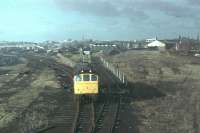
[120,75]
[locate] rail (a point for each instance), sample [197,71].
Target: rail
[76,117]
[116,116]
[108,116]
[85,119]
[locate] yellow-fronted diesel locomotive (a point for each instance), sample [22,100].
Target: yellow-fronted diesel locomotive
[86,83]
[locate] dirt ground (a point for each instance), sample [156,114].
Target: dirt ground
[165,88]
[28,94]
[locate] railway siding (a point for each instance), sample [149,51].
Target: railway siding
[12,108]
[62,119]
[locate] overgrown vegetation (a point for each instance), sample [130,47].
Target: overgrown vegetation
[177,77]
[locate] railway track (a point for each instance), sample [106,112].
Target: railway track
[104,117]
[74,117]
[107,116]
[64,117]
[85,119]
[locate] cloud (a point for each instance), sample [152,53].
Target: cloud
[103,8]
[140,13]
[166,7]
[194,2]
[131,9]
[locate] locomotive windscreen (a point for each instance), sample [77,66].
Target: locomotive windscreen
[84,68]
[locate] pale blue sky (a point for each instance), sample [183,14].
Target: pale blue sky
[39,20]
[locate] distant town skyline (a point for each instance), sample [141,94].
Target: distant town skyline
[40,20]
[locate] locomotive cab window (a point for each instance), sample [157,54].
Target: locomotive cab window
[78,77]
[86,77]
[93,77]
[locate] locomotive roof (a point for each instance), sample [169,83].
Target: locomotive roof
[84,68]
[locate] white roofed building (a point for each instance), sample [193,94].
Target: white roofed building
[156,44]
